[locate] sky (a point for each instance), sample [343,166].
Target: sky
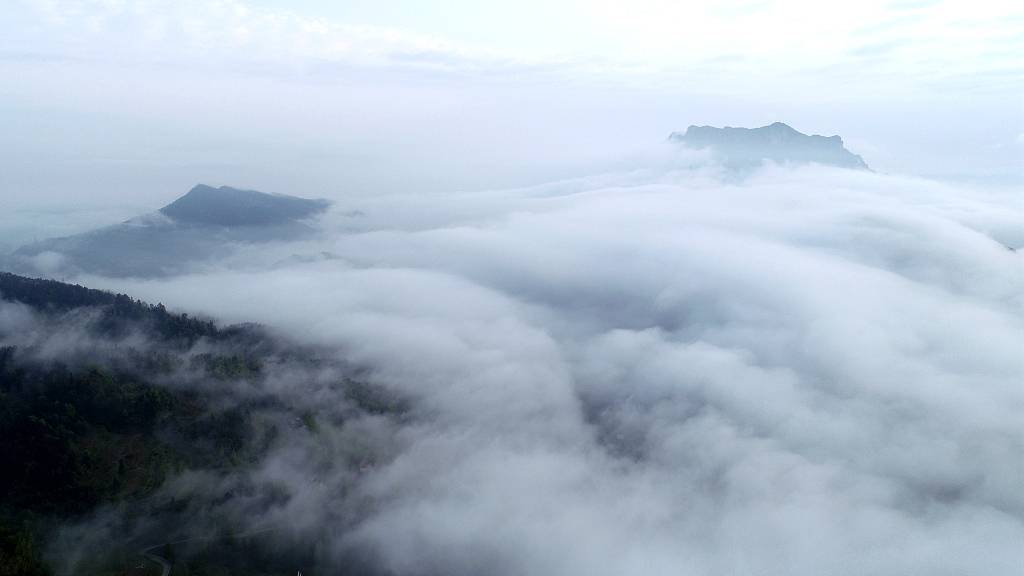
[122,105]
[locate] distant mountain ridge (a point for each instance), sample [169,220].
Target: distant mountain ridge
[748,148]
[227,206]
[202,224]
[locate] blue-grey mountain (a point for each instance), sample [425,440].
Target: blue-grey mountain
[201,225]
[226,206]
[744,149]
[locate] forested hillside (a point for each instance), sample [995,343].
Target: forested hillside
[105,399]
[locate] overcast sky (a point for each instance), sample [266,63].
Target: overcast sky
[124,104]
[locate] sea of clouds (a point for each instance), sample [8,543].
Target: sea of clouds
[808,371]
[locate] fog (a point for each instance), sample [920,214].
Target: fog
[810,371]
[619,359]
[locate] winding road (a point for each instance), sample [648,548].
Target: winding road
[166,564]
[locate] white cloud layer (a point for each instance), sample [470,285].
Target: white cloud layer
[811,372]
[902,44]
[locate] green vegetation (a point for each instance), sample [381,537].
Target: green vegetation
[119,312]
[78,434]
[19,555]
[143,396]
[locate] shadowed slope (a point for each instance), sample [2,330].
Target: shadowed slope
[226,206]
[203,224]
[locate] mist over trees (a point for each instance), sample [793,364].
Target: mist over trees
[96,431]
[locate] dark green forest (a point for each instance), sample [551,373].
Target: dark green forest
[108,428]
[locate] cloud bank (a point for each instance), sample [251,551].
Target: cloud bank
[811,371]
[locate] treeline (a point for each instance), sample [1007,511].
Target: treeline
[119,312]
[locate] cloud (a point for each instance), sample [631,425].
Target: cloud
[231,33]
[810,371]
[909,46]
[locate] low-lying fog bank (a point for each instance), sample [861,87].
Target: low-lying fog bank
[808,371]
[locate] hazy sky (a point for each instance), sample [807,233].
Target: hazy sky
[124,104]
